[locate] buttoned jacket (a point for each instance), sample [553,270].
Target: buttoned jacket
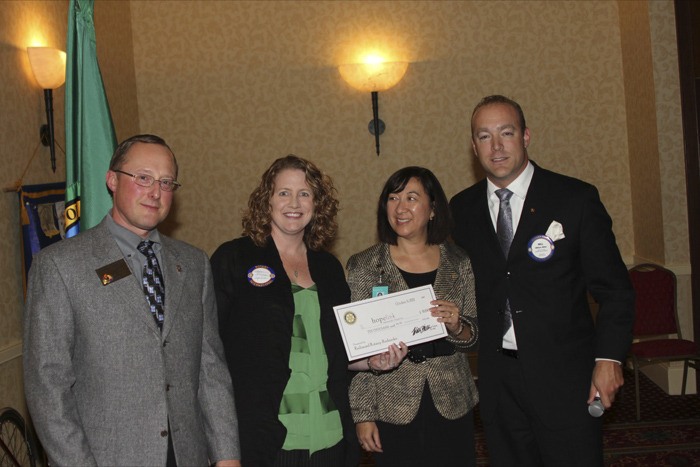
[394,397]
[557,338]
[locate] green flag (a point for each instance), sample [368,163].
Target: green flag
[90,138]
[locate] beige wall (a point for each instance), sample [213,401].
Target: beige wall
[234,85]
[641,129]
[671,163]
[668,124]
[22,24]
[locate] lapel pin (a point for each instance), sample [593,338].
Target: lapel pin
[532,210]
[106,279]
[179,268]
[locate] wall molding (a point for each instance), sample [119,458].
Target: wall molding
[10,352]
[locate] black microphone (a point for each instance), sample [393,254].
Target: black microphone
[596,408]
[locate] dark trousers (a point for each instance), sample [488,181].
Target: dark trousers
[429,440]
[517,437]
[333,456]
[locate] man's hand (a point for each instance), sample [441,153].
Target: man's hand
[607,380]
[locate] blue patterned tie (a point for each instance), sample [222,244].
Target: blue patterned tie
[152,281]
[504,230]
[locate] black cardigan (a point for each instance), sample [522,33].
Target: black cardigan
[255,324]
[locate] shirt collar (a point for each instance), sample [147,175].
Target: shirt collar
[128,240]
[519,186]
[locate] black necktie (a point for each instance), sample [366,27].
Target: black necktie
[152,281]
[504,230]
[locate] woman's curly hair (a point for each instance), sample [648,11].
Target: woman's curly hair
[321,230]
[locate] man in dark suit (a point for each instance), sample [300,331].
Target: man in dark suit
[537,248]
[123,364]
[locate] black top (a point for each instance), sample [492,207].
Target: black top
[255,324]
[418,279]
[437,348]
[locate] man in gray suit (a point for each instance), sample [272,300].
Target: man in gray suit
[123,364]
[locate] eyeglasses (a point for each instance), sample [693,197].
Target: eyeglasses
[166,184]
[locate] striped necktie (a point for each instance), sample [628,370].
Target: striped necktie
[504,222]
[152,281]
[504,230]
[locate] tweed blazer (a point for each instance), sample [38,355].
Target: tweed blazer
[103,385]
[394,397]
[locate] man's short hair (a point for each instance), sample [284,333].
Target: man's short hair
[122,150]
[499,99]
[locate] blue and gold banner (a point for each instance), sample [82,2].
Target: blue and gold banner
[41,218]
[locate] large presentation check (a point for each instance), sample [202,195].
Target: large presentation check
[369,326]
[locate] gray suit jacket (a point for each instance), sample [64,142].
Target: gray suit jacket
[102,382]
[394,397]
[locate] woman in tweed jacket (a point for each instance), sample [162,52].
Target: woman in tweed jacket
[420,412]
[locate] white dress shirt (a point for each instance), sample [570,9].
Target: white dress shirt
[519,187]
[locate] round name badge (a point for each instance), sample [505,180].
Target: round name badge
[261,275]
[540,248]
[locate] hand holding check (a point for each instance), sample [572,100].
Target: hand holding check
[388,360]
[447,313]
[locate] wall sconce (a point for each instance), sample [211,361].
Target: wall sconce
[49,67]
[374,77]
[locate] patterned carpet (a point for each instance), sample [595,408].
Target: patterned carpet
[667,435]
[669,443]
[656,405]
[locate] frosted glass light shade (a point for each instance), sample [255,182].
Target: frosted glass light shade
[373,77]
[48,65]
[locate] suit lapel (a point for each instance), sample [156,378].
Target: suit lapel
[530,214]
[389,272]
[175,277]
[446,278]
[127,290]
[490,237]
[447,275]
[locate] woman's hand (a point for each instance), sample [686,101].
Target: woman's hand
[368,436]
[390,359]
[448,313]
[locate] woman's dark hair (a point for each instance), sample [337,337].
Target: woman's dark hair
[438,228]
